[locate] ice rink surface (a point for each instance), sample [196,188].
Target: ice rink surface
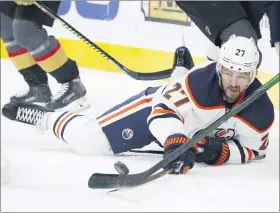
[45,175]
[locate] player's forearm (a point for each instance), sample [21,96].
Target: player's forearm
[162,128]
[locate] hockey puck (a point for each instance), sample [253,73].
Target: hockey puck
[121,168]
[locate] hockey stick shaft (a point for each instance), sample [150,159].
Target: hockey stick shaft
[158,152]
[110,181]
[136,75]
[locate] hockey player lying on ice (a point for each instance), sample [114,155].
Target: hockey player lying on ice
[175,112]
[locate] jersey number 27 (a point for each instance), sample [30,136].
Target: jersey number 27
[177,90]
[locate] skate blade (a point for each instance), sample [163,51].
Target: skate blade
[76,106]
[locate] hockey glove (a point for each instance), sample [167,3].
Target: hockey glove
[186,161]
[213,151]
[24,3]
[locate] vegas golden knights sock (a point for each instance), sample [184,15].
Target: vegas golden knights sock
[25,64]
[51,56]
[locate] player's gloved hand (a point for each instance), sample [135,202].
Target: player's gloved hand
[24,3]
[212,151]
[183,163]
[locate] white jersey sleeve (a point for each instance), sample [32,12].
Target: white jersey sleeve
[249,144]
[170,108]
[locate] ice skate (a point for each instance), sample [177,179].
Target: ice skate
[40,93]
[182,63]
[71,96]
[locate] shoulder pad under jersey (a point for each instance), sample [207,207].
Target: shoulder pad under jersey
[259,115]
[203,88]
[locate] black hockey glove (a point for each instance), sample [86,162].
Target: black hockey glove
[186,161]
[214,151]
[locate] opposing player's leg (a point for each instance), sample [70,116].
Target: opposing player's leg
[212,18]
[240,27]
[219,20]
[34,75]
[273,14]
[30,33]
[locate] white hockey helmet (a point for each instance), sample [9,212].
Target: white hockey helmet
[239,54]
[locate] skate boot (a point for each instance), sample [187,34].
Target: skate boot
[182,63]
[28,113]
[39,93]
[71,96]
[183,58]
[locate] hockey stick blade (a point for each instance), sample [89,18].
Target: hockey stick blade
[149,179]
[107,181]
[103,181]
[134,74]
[139,178]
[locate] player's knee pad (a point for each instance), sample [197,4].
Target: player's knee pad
[6,29]
[87,137]
[28,34]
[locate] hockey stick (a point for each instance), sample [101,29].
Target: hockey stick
[134,74]
[99,180]
[149,179]
[158,152]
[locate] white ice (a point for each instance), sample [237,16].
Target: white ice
[45,175]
